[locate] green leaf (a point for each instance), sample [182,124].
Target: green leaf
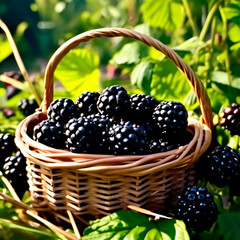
[79,71]
[129,54]
[232,12]
[234,33]
[163,14]
[5,48]
[168,82]
[128,225]
[226,227]
[142,75]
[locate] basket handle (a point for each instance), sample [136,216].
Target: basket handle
[196,84]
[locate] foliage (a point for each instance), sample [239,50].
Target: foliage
[206,34]
[132,225]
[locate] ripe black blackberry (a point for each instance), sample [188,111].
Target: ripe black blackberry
[230,119]
[62,109]
[87,103]
[50,133]
[171,118]
[142,107]
[161,145]
[221,165]
[196,207]
[114,101]
[82,135]
[128,139]
[14,170]
[27,106]
[7,147]
[103,124]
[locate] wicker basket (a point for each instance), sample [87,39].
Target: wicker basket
[94,184]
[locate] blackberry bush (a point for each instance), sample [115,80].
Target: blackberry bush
[82,136]
[14,170]
[171,118]
[220,166]
[62,109]
[114,101]
[27,106]
[50,133]
[230,119]
[196,207]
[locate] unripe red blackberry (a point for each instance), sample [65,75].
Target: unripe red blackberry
[196,207]
[230,119]
[171,118]
[114,101]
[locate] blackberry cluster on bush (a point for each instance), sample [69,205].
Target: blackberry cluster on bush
[114,122]
[14,170]
[7,146]
[221,166]
[230,119]
[196,207]
[27,106]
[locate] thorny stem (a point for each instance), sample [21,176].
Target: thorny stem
[209,20]
[19,60]
[189,15]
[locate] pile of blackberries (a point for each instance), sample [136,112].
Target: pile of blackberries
[114,122]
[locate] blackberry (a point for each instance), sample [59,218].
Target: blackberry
[221,166]
[62,109]
[87,103]
[230,119]
[50,133]
[142,107]
[171,118]
[7,146]
[27,106]
[14,170]
[103,124]
[161,145]
[196,207]
[82,136]
[128,139]
[114,101]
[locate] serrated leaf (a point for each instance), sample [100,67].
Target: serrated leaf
[168,82]
[163,14]
[129,54]
[141,76]
[128,225]
[79,71]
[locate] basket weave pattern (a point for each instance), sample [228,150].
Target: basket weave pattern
[98,184]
